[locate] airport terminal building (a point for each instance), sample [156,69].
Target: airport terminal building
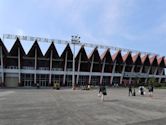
[19,69]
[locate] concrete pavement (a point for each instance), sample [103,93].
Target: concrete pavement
[79,107]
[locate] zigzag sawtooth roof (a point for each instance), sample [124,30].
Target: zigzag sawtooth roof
[70,55]
[153,60]
[31,52]
[83,52]
[105,54]
[145,59]
[4,49]
[55,53]
[135,57]
[127,56]
[95,51]
[14,50]
[115,56]
[160,61]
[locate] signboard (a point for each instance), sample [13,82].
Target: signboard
[31,38]
[75,40]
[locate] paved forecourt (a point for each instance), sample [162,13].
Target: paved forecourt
[80,107]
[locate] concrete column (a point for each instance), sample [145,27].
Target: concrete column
[35,65]
[102,71]
[50,67]
[132,70]
[2,70]
[113,71]
[91,69]
[78,69]
[155,72]
[146,80]
[19,67]
[64,76]
[123,70]
[159,81]
[141,69]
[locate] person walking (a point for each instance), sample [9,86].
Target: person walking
[130,90]
[150,90]
[141,90]
[102,92]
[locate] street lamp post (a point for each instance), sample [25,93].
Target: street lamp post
[74,40]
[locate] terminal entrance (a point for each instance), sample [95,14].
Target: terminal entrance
[116,81]
[27,80]
[68,80]
[42,80]
[57,79]
[28,83]
[106,80]
[95,80]
[83,80]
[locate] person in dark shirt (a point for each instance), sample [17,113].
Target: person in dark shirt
[142,90]
[102,92]
[150,90]
[130,90]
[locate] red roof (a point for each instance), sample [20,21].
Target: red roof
[126,56]
[159,60]
[144,58]
[152,59]
[135,57]
[104,54]
[115,55]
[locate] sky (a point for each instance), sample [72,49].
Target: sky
[131,24]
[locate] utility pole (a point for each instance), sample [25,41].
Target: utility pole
[74,40]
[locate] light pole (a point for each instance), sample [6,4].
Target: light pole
[74,40]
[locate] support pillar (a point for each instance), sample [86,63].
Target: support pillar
[113,71]
[35,66]
[155,72]
[19,67]
[132,70]
[50,75]
[78,69]
[64,76]
[2,70]
[141,69]
[102,71]
[123,70]
[91,69]
[146,80]
[159,81]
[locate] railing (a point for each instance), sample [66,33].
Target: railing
[12,67]
[69,69]
[57,69]
[131,74]
[43,68]
[27,67]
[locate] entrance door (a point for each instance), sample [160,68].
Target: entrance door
[43,83]
[27,83]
